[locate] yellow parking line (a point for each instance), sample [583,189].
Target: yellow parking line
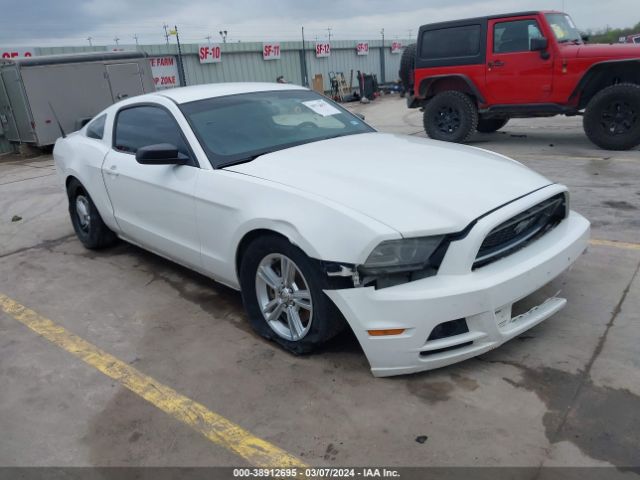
[614,244]
[215,427]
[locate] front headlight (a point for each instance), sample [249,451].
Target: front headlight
[405,255]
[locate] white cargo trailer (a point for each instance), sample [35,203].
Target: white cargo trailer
[36,92]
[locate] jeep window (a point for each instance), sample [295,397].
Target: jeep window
[451,42]
[563,28]
[510,37]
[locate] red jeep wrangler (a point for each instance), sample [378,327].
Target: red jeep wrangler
[478,73]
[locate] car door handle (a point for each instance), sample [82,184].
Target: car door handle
[113,171]
[497,63]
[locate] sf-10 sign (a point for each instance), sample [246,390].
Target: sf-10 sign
[209,53]
[271,51]
[362,48]
[323,49]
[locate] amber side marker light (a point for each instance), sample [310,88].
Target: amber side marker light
[384,333]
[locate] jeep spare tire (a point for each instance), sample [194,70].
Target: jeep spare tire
[450,116]
[612,117]
[407,67]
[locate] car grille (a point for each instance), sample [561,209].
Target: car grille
[519,231]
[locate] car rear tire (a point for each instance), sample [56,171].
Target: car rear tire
[86,220]
[490,125]
[291,310]
[612,117]
[407,67]
[451,116]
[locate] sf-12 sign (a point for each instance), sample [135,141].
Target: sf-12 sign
[271,51]
[16,52]
[210,53]
[396,47]
[323,49]
[362,48]
[165,72]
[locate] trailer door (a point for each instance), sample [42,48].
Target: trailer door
[6,116]
[20,128]
[125,80]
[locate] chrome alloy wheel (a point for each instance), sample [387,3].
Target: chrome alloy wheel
[284,297]
[83,212]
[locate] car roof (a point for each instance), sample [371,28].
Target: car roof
[210,90]
[450,23]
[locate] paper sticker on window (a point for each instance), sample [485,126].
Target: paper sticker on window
[321,107]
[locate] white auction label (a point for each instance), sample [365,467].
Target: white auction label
[321,107]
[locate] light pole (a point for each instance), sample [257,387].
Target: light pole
[116,39]
[223,34]
[166,33]
[135,37]
[90,43]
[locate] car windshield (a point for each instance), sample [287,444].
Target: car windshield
[563,28]
[238,128]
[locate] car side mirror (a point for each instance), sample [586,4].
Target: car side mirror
[585,37]
[161,154]
[539,44]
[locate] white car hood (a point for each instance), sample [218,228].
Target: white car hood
[414,185]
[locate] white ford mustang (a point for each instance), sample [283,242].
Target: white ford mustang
[420,247]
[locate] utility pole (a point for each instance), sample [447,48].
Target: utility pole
[90,43]
[410,32]
[208,37]
[116,39]
[135,37]
[166,33]
[223,34]
[180,62]
[303,63]
[329,31]
[382,59]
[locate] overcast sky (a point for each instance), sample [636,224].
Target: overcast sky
[70,22]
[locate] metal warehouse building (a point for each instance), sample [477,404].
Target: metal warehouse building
[246,62]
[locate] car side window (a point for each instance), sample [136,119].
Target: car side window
[516,36]
[145,125]
[96,128]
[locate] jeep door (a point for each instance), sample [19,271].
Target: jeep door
[514,73]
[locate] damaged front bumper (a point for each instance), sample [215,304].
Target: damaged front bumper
[482,297]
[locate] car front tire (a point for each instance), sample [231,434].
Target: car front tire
[86,220]
[612,117]
[282,292]
[451,116]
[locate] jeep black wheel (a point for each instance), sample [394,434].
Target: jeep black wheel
[451,116]
[612,117]
[490,125]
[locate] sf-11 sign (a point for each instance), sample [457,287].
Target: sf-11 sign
[209,53]
[362,48]
[323,49]
[271,51]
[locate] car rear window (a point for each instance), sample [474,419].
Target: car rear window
[463,41]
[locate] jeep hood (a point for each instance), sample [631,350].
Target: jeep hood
[617,51]
[413,185]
